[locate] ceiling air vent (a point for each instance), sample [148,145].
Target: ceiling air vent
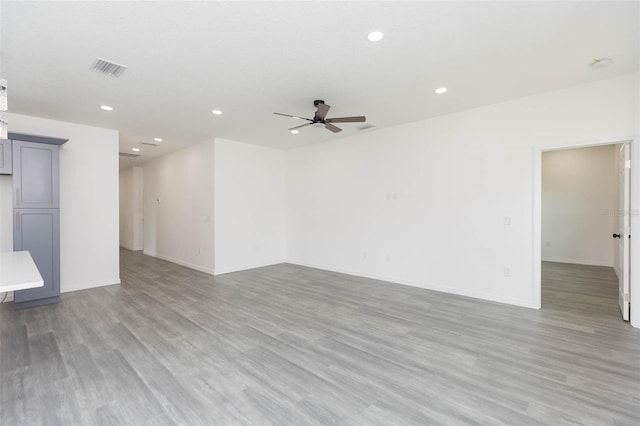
[366,126]
[126,154]
[149,143]
[108,68]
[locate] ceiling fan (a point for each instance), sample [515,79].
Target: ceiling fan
[320,120]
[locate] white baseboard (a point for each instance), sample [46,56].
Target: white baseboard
[180,262]
[228,270]
[65,288]
[427,286]
[578,261]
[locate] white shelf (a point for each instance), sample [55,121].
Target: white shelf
[18,271]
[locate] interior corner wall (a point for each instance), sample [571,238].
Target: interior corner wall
[249,206]
[89,255]
[445,203]
[178,207]
[579,200]
[131,208]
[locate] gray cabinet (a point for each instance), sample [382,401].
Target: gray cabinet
[5,157]
[35,175]
[36,215]
[38,231]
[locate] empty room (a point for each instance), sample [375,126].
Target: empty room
[319,213]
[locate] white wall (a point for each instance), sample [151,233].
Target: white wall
[249,206]
[425,203]
[579,200]
[88,201]
[131,208]
[178,207]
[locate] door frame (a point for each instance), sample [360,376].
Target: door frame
[634,254]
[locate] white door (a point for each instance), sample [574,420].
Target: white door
[623,232]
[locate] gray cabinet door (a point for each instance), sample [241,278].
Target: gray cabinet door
[35,175]
[38,231]
[5,157]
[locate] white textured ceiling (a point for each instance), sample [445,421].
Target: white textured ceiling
[250,59]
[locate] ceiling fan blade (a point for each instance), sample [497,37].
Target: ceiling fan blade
[292,116]
[333,128]
[347,119]
[302,125]
[323,109]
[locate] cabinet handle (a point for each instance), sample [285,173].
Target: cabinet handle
[17,221]
[17,196]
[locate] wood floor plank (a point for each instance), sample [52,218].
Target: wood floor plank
[289,345]
[14,350]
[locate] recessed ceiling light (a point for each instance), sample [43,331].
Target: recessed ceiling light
[295,132]
[135,149]
[441,90]
[157,139]
[216,112]
[106,107]
[375,36]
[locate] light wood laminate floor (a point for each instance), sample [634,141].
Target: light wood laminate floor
[288,345]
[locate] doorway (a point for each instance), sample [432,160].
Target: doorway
[571,224]
[132,209]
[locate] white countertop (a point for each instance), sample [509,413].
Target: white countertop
[18,271]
